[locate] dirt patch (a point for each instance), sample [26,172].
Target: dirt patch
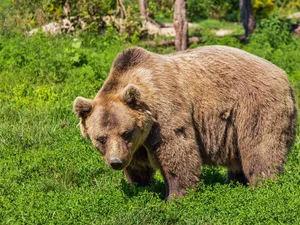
[222,32]
[165,29]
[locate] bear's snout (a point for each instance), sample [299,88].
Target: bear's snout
[116,163]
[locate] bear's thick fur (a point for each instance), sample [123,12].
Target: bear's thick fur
[213,105]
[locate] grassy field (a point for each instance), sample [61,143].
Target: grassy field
[49,174]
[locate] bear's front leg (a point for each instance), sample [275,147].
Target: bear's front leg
[180,163]
[139,171]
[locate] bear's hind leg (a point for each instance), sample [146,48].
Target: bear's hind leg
[264,145]
[258,167]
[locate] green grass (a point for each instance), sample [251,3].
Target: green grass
[49,174]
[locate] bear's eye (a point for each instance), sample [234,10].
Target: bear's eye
[102,139]
[127,135]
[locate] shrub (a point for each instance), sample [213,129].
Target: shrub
[262,8]
[217,9]
[273,31]
[49,67]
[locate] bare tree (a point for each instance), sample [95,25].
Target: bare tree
[144,9]
[121,9]
[247,17]
[66,7]
[180,25]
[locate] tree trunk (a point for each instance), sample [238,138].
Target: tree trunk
[180,25]
[144,12]
[67,8]
[247,17]
[121,9]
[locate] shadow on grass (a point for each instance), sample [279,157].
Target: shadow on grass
[132,190]
[210,176]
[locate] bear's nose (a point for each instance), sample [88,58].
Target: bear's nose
[116,163]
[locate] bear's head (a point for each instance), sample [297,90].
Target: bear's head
[117,125]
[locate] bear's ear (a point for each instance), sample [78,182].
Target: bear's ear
[130,58]
[82,106]
[131,95]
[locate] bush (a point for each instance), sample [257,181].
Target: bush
[273,31]
[217,9]
[47,66]
[262,8]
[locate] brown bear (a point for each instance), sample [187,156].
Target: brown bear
[212,105]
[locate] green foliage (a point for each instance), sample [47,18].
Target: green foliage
[262,8]
[287,6]
[161,9]
[84,8]
[25,15]
[273,31]
[217,9]
[47,66]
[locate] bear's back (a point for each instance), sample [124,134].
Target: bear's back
[230,63]
[221,72]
